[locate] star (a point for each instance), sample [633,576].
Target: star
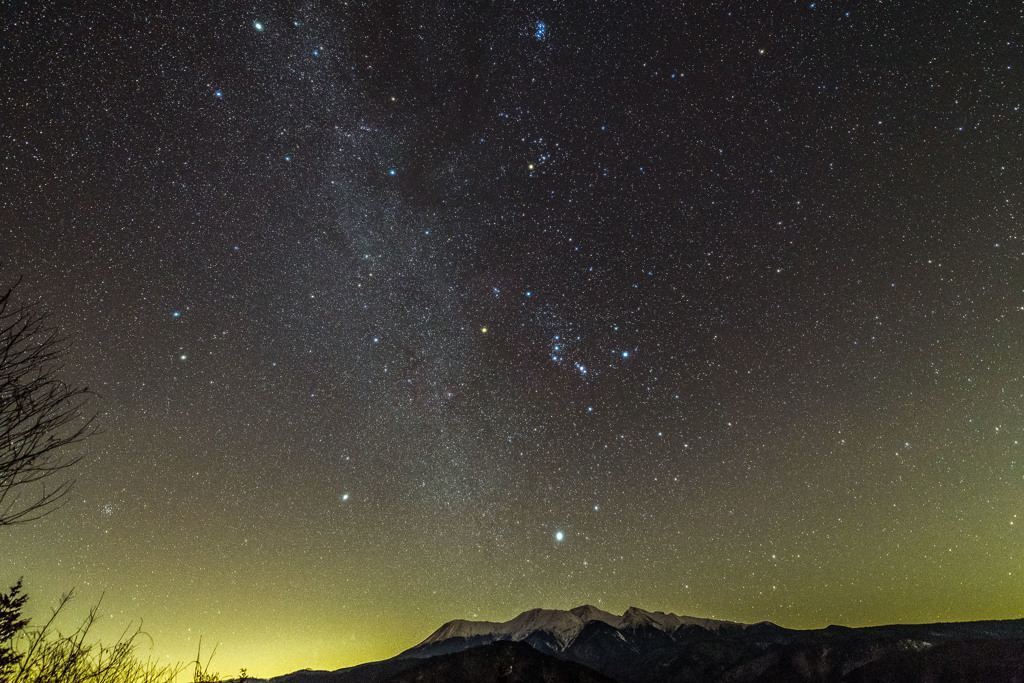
[666,225]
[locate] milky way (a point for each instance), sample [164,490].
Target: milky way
[402,312]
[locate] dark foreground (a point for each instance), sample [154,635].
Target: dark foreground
[639,652]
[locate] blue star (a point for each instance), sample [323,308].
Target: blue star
[218,93]
[257,25]
[625,354]
[391,172]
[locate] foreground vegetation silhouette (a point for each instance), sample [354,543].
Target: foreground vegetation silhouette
[40,417]
[40,414]
[47,655]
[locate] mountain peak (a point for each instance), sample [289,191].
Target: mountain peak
[634,617]
[588,613]
[561,624]
[461,628]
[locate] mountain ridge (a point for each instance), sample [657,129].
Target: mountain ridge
[640,646]
[566,625]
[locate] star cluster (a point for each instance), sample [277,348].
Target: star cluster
[403,312]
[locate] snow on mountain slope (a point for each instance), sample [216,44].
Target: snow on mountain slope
[462,628]
[590,613]
[635,618]
[565,625]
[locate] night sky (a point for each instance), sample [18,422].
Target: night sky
[401,312]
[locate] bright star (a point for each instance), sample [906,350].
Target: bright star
[344,497]
[625,354]
[559,536]
[391,172]
[177,314]
[218,94]
[541,30]
[257,25]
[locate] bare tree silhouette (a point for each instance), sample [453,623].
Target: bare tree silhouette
[39,414]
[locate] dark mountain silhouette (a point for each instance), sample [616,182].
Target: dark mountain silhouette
[589,644]
[501,661]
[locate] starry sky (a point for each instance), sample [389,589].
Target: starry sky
[407,311]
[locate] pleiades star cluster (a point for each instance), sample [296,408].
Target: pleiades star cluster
[400,312]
